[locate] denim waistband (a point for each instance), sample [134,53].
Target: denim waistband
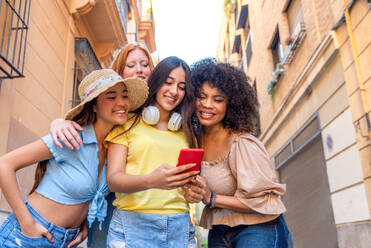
[56,231]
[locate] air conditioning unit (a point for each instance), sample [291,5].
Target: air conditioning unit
[295,40]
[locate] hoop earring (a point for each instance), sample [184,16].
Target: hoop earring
[151,116]
[195,122]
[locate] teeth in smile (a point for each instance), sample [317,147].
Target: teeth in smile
[170,99]
[121,112]
[206,114]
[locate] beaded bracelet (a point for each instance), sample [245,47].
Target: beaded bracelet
[212,200]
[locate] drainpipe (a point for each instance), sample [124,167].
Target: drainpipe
[358,69]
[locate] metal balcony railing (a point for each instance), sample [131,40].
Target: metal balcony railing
[14,19]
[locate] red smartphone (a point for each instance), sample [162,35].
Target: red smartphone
[190,155]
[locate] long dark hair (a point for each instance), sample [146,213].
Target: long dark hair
[86,117]
[158,77]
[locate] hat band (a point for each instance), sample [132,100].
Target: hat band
[97,84]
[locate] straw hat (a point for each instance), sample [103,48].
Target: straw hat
[99,81]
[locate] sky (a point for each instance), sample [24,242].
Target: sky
[188,29]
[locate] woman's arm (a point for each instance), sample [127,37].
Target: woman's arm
[164,177]
[67,133]
[9,164]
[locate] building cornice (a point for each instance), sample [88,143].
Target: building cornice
[80,7]
[146,34]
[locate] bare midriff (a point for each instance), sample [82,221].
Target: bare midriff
[66,216]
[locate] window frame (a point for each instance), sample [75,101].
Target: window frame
[249,55]
[277,50]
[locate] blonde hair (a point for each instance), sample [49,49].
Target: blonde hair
[119,61]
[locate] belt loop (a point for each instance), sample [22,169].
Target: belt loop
[51,226]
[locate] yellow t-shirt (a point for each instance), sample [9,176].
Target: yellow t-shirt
[148,149]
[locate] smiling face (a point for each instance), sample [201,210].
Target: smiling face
[113,105]
[137,65]
[211,105]
[172,91]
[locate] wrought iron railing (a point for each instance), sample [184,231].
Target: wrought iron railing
[14,19]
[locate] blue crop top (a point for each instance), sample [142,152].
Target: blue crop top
[71,176]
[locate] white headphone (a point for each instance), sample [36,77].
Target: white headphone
[151,116]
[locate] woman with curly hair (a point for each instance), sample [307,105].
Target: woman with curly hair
[237,183]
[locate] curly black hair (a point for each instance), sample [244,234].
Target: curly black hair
[242,107]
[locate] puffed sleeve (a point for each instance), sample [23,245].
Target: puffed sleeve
[257,184]
[58,153]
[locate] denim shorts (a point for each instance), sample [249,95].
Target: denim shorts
[132,230]
[11,235]
[272,234]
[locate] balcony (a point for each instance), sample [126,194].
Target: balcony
[14,19]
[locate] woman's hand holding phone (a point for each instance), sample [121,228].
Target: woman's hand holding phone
[170,177]
[197,191]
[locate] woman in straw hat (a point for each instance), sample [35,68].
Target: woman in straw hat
[72,186]
[132,60]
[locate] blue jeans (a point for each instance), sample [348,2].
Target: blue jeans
[12,237]
[133,230]
[272,234]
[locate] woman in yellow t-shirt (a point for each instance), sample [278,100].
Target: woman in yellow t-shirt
[150,208]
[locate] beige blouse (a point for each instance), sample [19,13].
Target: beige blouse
[248,174]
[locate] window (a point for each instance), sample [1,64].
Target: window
[123,8]
[14,19]
[86,62]
[301,139]
[235,12]
[294,14]
[277,50]
[243,17]
[237,44]
[296,28]
[248,50]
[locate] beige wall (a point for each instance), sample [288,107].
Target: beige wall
[28,104]
[36,99]
[360,20]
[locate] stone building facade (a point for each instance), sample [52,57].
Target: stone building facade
[310,66]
